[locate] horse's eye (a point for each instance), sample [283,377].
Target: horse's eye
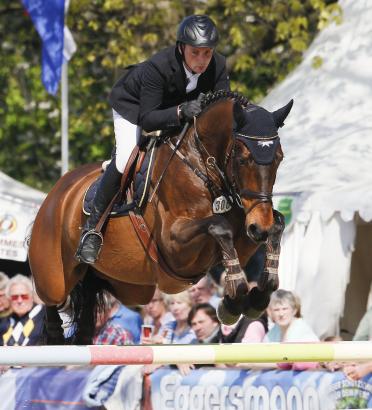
[243,161]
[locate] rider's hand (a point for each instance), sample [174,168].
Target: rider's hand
[189,109]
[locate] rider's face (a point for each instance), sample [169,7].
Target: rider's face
[197,58]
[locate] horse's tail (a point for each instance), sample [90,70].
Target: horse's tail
[87,300]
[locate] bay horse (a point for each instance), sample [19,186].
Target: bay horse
[231,151]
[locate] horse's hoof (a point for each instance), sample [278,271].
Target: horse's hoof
[225,316]
[255,303]
[252,313]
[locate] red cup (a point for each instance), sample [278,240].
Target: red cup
[147,330]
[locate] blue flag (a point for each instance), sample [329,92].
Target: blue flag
[48,17]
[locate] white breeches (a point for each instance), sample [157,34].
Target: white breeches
[126,137]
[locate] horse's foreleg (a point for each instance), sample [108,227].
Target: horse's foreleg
[236,283]
[221,231]
[258,298]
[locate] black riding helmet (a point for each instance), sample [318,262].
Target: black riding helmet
[198,31]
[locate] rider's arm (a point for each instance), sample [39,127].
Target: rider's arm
[151,116]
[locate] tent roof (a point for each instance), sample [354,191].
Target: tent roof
[13,190]
[327,139]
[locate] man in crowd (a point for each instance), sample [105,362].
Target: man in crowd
[204,322]
[205,291]
[109,327]
[25,324]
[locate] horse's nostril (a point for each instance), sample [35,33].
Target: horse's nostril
[257,234]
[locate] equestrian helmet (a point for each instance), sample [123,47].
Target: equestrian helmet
[198,30]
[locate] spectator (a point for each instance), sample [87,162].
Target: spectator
[109,330]
[204,322]
[157,315]
[285,310]
[332,366]
[205,292]
[5,309]
[178,331]
[357,371]
[246,330]
[364,330]
[127,319]
[26,322]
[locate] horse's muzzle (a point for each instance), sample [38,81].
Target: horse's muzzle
[256,234]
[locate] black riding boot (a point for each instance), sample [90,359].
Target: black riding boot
[90,240]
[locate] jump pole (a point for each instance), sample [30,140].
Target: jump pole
[197,354]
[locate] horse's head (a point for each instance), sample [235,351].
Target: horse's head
[241,146]
[255,161]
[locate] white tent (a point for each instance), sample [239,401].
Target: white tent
[19,204]
[327,173]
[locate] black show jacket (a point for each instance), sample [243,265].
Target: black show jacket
[149,92]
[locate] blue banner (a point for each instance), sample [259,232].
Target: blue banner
[48,17]
[207,389]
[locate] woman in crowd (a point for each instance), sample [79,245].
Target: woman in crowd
[157,316]
[285,312]
[178,331]
[25,324]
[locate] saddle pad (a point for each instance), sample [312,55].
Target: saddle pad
[141,188]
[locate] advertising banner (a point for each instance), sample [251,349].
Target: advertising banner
[212,389]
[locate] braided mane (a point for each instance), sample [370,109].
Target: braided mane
[214,96]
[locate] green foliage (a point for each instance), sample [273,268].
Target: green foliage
[263,40]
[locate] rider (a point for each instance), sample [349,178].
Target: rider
[157,94]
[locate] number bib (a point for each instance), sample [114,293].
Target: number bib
[221,205]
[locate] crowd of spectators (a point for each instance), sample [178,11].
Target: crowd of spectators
[187,317]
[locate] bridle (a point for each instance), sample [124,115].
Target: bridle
[217,180]
[229,185]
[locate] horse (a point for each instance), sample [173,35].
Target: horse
[213,205]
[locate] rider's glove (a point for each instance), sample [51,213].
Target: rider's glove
[188,110]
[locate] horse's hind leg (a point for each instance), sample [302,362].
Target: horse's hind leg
[53,327]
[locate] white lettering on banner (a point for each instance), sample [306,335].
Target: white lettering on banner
[197,398]
[173,395]
[211,399]
[310,399]
[277,399]
[181,398]
[167,394]
[235,395]
[294,399]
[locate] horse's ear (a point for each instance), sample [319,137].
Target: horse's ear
[239,118]
[281,114]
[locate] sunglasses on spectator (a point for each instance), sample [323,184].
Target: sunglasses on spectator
[23,297]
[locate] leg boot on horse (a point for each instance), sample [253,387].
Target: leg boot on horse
[91,240]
